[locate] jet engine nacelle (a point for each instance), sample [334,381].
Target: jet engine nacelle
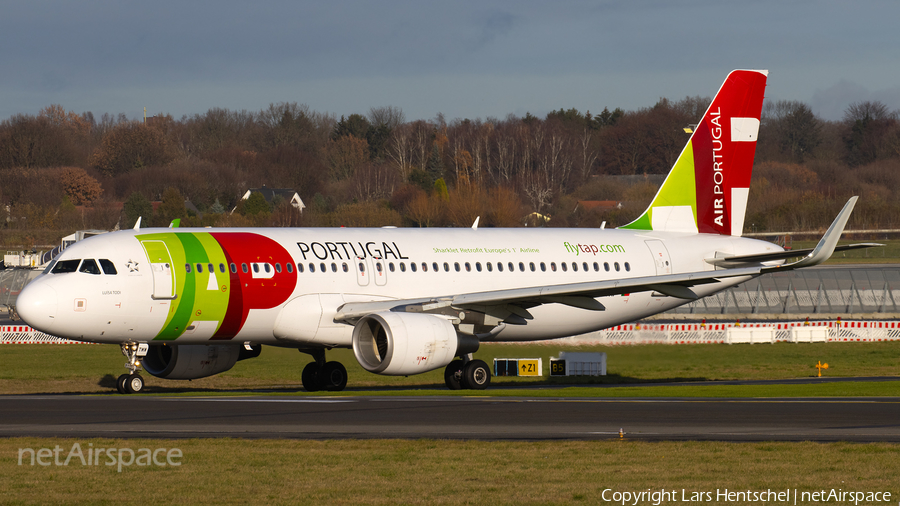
[192,361]
[399,344]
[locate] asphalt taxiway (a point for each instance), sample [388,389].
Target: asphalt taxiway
[451,417]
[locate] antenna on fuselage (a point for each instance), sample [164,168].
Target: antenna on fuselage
[137,224]
[475,225]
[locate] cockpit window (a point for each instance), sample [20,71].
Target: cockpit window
[89,266]
[64,266]
[108,267]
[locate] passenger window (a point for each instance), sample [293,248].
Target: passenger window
[412,266]
[290,268]
[362,267]
[511,268]
[402,267]
[521,267]
[345,267]
[333,267]
[468,267]
[627,267]
[434,266]
[553,266]
[596,267]
[199,268]
[210,268]
[543,267]
[606,266]
[267,268]
[490,268]
[424,267]
[584,266]
[187,268]
[531,266]
[244,268]
[565,266]
[574,266]
[89,266]
[299,267]
[447,267]
[456,266]
[233,268]
[378,266]
[256,268]
[322,267]
[500,266]
[221,267]
[108,267]
[478,266]
[312,267]
[391,266]
[278,268]
[616,265]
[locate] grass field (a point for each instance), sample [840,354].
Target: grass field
[235,471]
[228,471]
[93,368]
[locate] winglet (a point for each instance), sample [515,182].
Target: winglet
[175,223]
[825,248]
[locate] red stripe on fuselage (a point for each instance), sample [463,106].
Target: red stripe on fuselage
[248,292]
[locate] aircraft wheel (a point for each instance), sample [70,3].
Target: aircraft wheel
[476,375]
[120,384]
[310,377]
[134,383]
[452,374]
[334,377]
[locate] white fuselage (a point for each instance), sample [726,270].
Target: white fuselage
[167,298]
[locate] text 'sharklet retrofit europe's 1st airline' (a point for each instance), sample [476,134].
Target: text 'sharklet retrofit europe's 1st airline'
[190,303]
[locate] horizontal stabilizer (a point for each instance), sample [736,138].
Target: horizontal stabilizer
[743,260]
[827,244]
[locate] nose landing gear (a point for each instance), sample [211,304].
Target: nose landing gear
[132,383]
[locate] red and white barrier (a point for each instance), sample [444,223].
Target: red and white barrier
[23,334]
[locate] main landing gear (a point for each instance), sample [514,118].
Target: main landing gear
[132,383]
[467,374]
[322,375]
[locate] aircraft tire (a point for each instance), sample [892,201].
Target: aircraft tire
[476,375]
[120,384]
[451,376]
[333,377]
[134,383]
[310,377]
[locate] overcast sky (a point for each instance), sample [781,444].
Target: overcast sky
[463,59]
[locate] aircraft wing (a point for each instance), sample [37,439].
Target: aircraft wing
[581,295]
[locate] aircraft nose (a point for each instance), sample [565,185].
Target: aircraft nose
[37,304]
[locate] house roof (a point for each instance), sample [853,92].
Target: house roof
[271,193]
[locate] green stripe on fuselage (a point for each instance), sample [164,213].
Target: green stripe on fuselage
[199,299]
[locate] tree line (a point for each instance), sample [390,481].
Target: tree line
[62,170]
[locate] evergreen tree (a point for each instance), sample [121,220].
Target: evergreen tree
[256,204]
[137,206]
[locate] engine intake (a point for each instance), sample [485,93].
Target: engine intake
[398,344]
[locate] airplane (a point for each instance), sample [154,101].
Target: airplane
[187,303]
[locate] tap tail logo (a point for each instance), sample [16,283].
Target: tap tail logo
[706,191]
